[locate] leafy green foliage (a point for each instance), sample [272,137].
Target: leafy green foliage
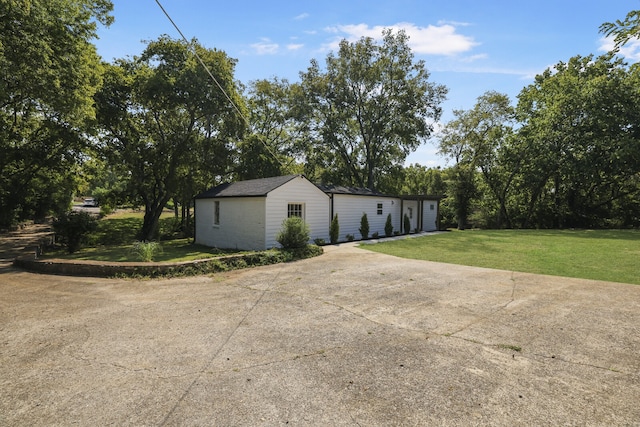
[72,229]
[294,233]
[167,124]
[388,226]
[406,224]
[367,111]
[334,230]
[364,226]
[145,251]
[49,71]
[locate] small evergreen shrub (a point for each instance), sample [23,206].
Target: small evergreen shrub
[319,241]
[73,228]
[407,224]
[350,237]
[388,227]
[364,226]
[334,230]
[294,233]
[375,235]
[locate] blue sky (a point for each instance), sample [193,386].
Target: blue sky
[470,46]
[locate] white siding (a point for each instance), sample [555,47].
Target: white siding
[316,209]
[429,215]
[242,223]
[350,208]
[411,209]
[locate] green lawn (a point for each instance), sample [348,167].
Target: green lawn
[113,241]
[172,251]
[611,255]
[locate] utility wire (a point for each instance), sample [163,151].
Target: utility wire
[215,80]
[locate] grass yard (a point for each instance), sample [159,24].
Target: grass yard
[611,255]
[114,238]
[172,251]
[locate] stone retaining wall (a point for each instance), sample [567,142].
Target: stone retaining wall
[113,269]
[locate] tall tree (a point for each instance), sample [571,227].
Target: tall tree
[580,136]
[370,108]
[273,145]
[49,71]
[479,139]
[166,123]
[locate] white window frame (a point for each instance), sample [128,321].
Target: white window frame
[295,208]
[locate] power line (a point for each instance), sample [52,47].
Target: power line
[215,80]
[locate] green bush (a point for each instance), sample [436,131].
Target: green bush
[334,230]
[364,226]
[350,237]
[294,233]
[388,227]
[407,224]
[73,228]
[145,251]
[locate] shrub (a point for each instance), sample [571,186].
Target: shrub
[364,226]
[334,230]
[407,224]
[375,235]
[388,227]
[146,250]
[294,233]
[350,237]
[73,228]
[319,241]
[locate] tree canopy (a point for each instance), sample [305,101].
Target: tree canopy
[166,124]
[370,108]
[49,71]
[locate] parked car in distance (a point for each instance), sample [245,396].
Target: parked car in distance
[89,202]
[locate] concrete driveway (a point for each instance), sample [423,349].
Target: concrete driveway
[348,338]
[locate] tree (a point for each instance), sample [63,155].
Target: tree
[273,144]
[167,124]
[580,141]
[623,31]
[478,139]
[49,71]
[370,108]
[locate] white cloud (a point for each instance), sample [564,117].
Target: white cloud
[295,46]
[301,16]
[265,47]
[631,50]
[429,40]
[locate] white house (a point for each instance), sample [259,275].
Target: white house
[249,214]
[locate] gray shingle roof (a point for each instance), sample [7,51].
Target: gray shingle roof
[249,188]
[341,189]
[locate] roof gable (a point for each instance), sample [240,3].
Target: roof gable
[249,188]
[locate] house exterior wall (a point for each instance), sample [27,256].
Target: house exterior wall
[350,208]
[430,215]
[242,223]
[315,212]
[411,209]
